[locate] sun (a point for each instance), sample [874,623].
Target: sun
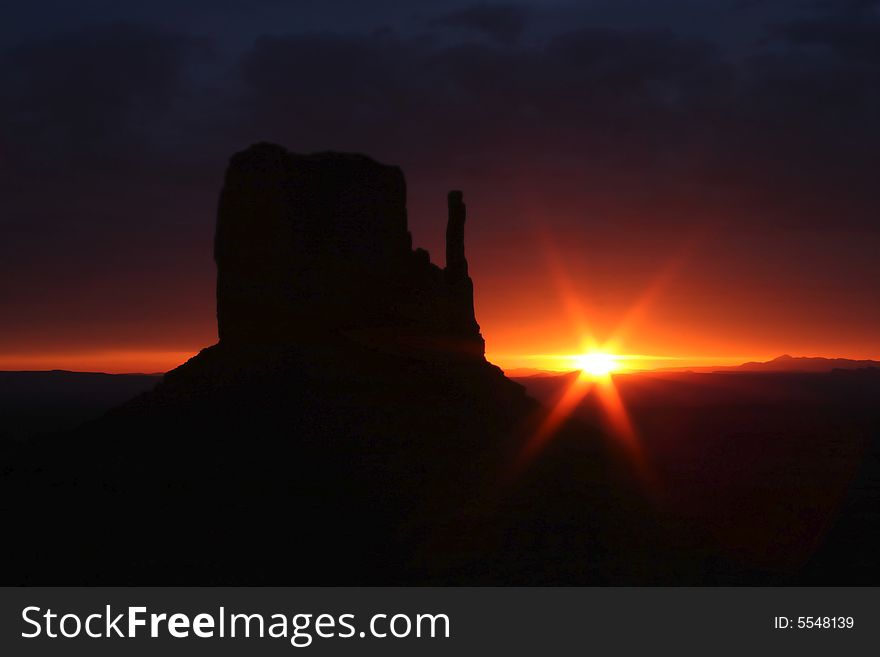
[596,363]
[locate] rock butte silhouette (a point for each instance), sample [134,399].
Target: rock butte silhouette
[318,244]
[316,274]
[346,428]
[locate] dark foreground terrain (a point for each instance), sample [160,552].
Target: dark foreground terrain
[344,466]
[776,474]
[756,479]
[32,403]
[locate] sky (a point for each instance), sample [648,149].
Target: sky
[694,180]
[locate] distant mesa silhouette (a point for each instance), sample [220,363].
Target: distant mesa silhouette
[787,363]
[315,245]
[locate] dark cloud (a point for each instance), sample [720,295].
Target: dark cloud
[617,109]
[609,119]
[503,23]
[391,89]
[621,110]
[85,95]
[852,34]
[846,6]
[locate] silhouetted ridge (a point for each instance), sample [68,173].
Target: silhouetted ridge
[307,244]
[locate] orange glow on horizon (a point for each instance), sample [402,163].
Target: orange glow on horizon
[110,361]
[622,362]
[656,302]
[597,363]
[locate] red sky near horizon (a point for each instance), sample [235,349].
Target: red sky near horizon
[687,294]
